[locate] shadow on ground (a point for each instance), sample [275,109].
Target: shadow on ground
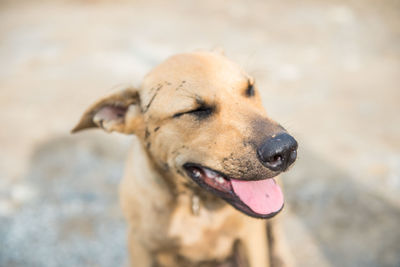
[73,219]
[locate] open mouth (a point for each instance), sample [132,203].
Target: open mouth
[259,199]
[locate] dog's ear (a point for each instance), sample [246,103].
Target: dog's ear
[118,112]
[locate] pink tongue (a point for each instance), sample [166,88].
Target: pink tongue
[263,197]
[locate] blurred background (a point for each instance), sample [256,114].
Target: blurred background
[329,71]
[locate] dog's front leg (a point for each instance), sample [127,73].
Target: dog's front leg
[256,243]
[280,255]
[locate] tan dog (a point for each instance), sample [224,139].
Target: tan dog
[203,142]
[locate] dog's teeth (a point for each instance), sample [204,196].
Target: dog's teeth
[210,173]
[220,180]
[196,173]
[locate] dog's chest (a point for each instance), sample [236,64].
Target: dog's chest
[207,235]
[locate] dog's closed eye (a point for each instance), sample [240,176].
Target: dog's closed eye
[201,112]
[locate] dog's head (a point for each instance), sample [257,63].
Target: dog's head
[200,118]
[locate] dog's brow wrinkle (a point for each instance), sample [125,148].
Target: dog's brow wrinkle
[152,98]
[186,92]
[180,85]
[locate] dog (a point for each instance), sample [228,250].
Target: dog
[201,167]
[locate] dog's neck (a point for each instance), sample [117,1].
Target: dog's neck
[145,188]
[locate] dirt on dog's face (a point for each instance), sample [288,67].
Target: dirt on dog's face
[200,118]
[204,119]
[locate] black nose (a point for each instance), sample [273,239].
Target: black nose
[278,152]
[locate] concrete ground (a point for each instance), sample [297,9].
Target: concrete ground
[329,71]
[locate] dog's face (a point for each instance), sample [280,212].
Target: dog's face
[200,118]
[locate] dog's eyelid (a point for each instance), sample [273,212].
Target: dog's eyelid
[201,111]
[176,115]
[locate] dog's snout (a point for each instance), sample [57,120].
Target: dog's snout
[278,152]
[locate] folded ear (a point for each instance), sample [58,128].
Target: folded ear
[119,112]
